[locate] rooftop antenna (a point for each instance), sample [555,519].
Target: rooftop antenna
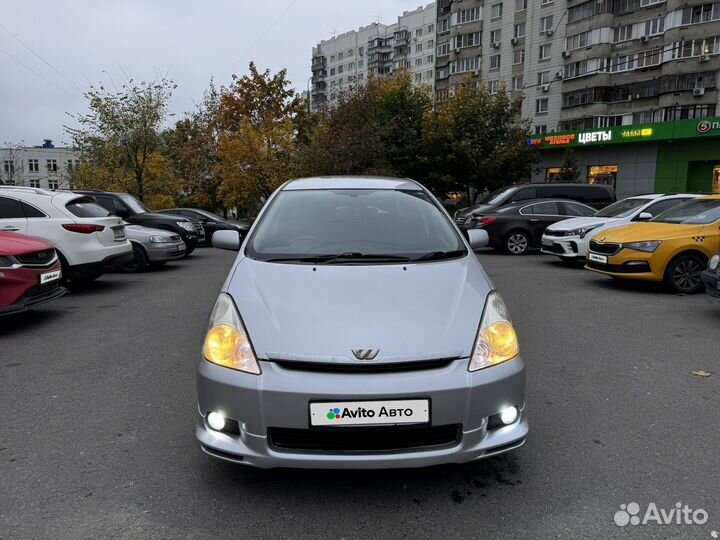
[334,30]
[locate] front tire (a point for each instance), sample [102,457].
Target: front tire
[682,275]
[517,243]
[139,262]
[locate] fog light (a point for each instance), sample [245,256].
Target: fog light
[509,415]
[216,421]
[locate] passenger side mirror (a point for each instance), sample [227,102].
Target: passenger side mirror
[477,238]
[229,240]
[644,216]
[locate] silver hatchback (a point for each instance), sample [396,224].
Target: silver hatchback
[357,329]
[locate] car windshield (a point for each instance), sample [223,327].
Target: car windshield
[693,212]
[134,204]
[210,215]
[354,224]
[621,209]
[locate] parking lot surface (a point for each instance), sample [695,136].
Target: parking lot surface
[97,410]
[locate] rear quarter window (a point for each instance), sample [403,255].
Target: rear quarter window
[10,209]
[85,208]
[595,194]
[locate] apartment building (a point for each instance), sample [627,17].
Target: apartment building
[375,50]
[45,166]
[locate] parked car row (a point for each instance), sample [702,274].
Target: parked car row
[670,238]
[50,240]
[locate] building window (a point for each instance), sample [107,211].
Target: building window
[545,51]
[495,36]
[429,59]
[429,44]
[551,172]
[541,106]
[418,48]
[52,165]
[520,5]
[493,87]
[467,40]
[496,11]
[518,57]
[494,62]
[9,166]
[418,32]
[581,11]
[543,77]
[443,49]
[430,28]
[53,183]
[520,30]
[418,62]
[602,174]
[577,41]
[418,77]
[540,128]
[468,15]
[546,23]
[33,165]
[546,2]
[702,13]
[518,82]
[34,182]
[716,180]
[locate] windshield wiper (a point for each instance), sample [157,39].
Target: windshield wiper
[437,255]
[347,256]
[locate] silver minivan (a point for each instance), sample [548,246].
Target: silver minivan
[357,329]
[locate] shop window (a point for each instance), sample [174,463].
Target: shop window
[602,174]
[551,173]
[716,179]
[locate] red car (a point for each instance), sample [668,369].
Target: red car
[29,273]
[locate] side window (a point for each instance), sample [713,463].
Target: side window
[11,209]
[571,209]
[543,208]
[595,194]
[106,203]
[524,195]
[660,206]
[559,191]
[31,211]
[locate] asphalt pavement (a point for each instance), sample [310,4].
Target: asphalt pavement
[97,410]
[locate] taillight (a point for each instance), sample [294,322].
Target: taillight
[481,222]
[83,228]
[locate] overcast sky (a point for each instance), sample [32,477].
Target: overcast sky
[106,41]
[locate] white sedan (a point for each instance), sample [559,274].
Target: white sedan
[569,239]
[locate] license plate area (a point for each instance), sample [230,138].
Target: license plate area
[49,276]
[597,258]
[369,413]
[118,233]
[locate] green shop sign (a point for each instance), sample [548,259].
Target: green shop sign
[664,131]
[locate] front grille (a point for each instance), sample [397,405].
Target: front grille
[39,258]
[364,367]
[605,249]
[620,268]
[365,439]
[200,230]
[42,290]
[557,248]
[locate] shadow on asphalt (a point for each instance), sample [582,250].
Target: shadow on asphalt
[34,319]
[477,479]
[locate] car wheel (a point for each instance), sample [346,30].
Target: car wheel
[139,262]
[517,243]
[188,251]
[682,275]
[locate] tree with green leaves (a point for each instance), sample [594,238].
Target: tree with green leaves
[476,141]
[570,169]
[121,134]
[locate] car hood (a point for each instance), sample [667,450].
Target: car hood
[578,222]
[19,244]
[140,232]
[321,313]
[642,232]
[164,217]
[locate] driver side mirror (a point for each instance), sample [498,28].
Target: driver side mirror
[229,240]
[644,216]
[477,238]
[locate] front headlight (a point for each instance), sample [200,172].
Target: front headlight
[712,265]
[160,239]
[227,343]
[186,225]
[496,340]
[6,262]
[582,231]
[647,247]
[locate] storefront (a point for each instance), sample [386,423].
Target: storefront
[667,157]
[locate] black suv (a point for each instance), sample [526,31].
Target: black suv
[133,211]
[595,195]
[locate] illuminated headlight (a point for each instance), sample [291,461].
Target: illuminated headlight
[648,247]
[186,225]
[227,343]
[160,239]
[216,420]
[496,340]
[509,415]
[712,265]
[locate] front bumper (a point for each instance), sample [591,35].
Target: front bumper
[628,264]
[567,247]
[712,283]
[279,398]
[40,294]
[162,252]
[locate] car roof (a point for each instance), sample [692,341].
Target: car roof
[37,194]
[542,200]
[351,182]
